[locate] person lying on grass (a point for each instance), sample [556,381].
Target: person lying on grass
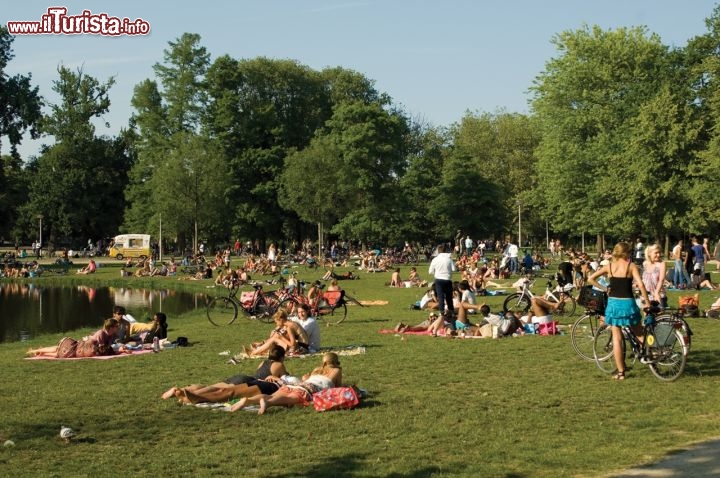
[99,343]
[267,380]
[328,375]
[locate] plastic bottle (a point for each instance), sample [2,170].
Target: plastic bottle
[156,344]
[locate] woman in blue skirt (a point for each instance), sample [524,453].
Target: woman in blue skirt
[621,310]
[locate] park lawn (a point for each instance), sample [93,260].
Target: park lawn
[523,406]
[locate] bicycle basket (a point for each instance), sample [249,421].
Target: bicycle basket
[592,298]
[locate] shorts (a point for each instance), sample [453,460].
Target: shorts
[543,319]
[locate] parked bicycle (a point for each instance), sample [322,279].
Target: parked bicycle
[255,304]
[663,345]
[520,301]
[582,332]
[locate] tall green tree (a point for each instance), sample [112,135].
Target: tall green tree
[498,150]
[700,58]
[20,106]
[81,174]
[175,158]
[587,100]
[262,110]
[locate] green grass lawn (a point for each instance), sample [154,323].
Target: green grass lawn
[515,407]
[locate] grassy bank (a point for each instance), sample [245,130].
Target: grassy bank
[524,406]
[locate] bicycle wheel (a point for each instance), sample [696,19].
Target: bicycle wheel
[333,315]
[582,335]
[603,349]
[265,308]
[667,351]
[221,311]
[516,303]
[568,307]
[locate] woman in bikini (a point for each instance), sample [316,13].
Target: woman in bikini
[328,375]
[621,310]
[287,334]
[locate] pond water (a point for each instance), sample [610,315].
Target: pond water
[29,310]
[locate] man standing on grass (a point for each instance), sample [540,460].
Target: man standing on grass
[441,268]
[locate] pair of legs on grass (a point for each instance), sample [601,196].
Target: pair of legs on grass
[219,392]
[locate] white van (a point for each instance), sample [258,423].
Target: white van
[130,245]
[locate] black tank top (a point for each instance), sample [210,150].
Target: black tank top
[621,287]
[264,369]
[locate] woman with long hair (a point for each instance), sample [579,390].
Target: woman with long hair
[621,309]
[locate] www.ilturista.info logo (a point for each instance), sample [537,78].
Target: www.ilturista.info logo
[58,22]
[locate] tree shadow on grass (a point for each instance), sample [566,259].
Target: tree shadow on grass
[703,363]
[345,466]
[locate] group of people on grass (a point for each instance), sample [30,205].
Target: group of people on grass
[119,335]
[270,386]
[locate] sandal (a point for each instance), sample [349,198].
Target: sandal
[619,375]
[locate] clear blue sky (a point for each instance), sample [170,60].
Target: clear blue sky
[438,59]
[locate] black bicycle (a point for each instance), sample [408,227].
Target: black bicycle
[663,345]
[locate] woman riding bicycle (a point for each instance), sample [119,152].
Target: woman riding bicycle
[621,309]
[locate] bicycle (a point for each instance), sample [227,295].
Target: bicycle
[256,305]
[520,301]
[582,332]
[663,345]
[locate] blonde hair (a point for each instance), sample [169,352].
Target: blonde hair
[621,251]
[650,249]
[280,315]
[331,359]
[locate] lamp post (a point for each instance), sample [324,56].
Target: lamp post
[519,226]
[40,218]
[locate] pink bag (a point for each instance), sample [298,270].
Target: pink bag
[336,398]
[549,328]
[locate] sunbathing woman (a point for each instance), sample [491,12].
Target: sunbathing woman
[267,380]
[99,343]
[286,334]
[328,375]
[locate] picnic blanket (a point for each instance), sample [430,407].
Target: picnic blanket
[344,351]
[100,357]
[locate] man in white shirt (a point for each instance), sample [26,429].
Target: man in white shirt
[512,252]
[679,268]
[310,325]
[441,268]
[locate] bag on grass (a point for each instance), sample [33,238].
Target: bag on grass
[549,328]
[336,398]
[688,304]
[66,347]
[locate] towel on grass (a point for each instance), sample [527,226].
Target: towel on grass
[426,332]
[344,351]
[99,357]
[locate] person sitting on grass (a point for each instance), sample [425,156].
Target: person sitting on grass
[395,280]
[328,375]
[139,331]
[89,269]
[266,380]
[287,334]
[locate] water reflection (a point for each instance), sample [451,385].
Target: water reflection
[28,310]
